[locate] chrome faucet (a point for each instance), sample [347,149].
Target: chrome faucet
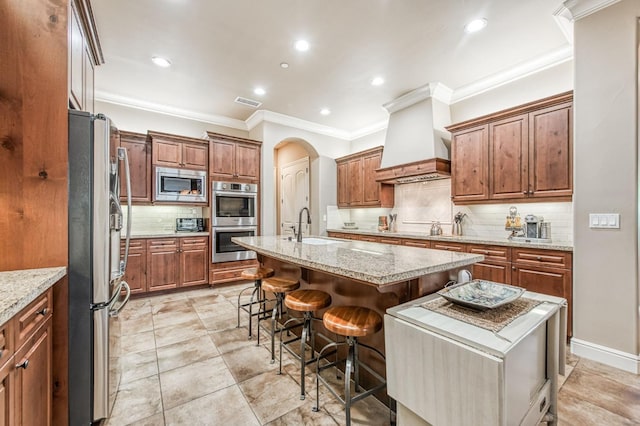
[299,236]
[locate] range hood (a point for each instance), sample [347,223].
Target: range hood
[416,147]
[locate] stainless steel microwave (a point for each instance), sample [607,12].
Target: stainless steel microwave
[180,185]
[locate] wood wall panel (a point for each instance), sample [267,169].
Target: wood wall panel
[33,134]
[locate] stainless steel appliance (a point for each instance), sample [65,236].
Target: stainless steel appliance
[185,186]
[532,226]
[97,292]
[234,204]
[189,224]
[225,250]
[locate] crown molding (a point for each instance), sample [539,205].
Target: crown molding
[297,123]
[563,19]
[581,8]
[522,70]
[218,120]
[430,90]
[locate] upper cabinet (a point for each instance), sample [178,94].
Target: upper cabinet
[357,185]
[234,159]
[520,154]
[84,55]
[138,148]
[178,151]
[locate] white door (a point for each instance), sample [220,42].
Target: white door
[294,195]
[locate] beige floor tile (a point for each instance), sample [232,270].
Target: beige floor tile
[208,299]
[249,362]
[136,400]
[231,339]
[222,307]
[304,415]
[138,324]
[139,365]
[224,407]
[175,318]
[168,297]
[172,306]
[609,372]
[271,395]
[186,352]
[135,309]
[193,381]
[368,411]
[179,332]
[574,411]
[196,293]
[155,420]
[138,342]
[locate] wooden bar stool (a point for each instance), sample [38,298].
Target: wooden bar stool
[305,301]
[257,296]
[279,287]
[351,322]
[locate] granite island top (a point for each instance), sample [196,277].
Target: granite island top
[465,239]
[19,288]
[375,263]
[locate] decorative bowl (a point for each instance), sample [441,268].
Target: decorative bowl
[481,294]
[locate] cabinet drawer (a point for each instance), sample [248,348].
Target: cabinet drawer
[395,241]
[196,241]
[417,243]
[491,252]
[548,258]
[447,246]
[162,243]
[338,235]
[369,238]
[139,244]
[216,277]
[27,321]
[6,342]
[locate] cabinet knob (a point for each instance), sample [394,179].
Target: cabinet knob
[538,258]
[513,267]
[24,364]
[524,192]
[43,311]
[530,192]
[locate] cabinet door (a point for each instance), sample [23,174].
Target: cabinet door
[195,156]
[343,184]
[550,152]
[136,275]
[469,165]
[496,271]
[6,394]
[194,261]
[247,162]
[508,158]
[222,159]
[354,182]
[76,65]
[162,264]
[139,152]
[167,154]
[371,188]
[33,379]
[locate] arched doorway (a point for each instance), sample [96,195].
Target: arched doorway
[293,163]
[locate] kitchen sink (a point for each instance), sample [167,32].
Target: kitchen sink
[319,241]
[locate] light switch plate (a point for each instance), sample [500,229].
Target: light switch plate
[604,220]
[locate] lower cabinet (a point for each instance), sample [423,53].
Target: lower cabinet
[157,264]
[229,271]
[26,389]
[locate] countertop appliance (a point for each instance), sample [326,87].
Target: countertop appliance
[234,204]
[181,185]
[97,291]
[190,224]
[532,226]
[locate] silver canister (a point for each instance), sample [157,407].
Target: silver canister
[545,230]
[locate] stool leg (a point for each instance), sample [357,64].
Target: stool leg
[276,309]
[239,296]
[253,294]
[347,382]
[356,368]
[303,358]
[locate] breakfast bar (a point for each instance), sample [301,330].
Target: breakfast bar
[375,275]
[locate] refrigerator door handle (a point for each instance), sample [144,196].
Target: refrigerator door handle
[123,155]
[113,310]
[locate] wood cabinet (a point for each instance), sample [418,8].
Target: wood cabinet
[234,159]
[138,148]
[496,265]
[84,54]
[178,151]
[26,388]
[136,274]
[416,243]
[225,272]
[520,154]
[177,262]
[357,185]
[440,245]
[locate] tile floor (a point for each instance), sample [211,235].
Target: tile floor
[186,363]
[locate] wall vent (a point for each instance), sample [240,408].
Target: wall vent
[248,102]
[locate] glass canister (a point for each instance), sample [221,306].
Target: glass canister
[545,230]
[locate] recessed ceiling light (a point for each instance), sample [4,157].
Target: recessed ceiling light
[161,62]
[325,111]
[377,81]
[475,25]
[302,45]
[284,65]
[259,91]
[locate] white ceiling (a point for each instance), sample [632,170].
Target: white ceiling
[224,48]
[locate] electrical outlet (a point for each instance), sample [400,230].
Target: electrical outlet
[604,220]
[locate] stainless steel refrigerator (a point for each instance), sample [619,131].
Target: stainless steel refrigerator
[97,291]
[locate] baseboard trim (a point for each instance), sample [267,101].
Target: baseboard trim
[612,357]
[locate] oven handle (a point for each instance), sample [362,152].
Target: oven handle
[233,229]
[236,194]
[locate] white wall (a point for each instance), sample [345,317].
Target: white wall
[370,141]
[606,324]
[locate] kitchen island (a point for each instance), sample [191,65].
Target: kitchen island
[361,273]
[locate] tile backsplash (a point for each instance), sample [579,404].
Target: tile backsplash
[420,204]
[158,219]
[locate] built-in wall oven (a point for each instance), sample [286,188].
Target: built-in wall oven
[233,214]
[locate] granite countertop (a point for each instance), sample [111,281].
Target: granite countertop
[375,263]
[560,245]
[19,288]
[165,234]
